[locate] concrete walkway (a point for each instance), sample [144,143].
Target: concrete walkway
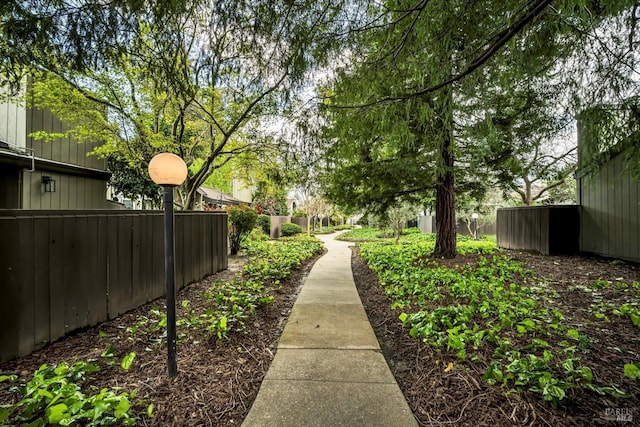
[328,369]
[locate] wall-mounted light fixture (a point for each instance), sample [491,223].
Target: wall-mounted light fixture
[49,184]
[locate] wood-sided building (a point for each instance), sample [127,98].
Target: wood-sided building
[36,174]
[609,199]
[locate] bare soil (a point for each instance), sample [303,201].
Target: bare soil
[439,396]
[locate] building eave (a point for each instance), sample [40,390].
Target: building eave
[25,161]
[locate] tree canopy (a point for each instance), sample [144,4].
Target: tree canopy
[199,84]
[396,111]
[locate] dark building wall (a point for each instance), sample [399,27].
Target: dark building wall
[610,199]
[544,229]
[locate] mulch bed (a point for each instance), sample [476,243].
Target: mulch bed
[217,381]
[461,397]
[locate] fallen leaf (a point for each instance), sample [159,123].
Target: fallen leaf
[449,367]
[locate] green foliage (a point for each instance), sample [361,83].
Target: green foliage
[486,244]
[166,88]
[256,234]
[242,219]
[130,181]
[264,223]
[289,229]
[324,230]
[231,303]
[632,370]
[480,309]
[55,396]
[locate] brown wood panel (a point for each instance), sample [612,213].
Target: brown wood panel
[158,256]
[603,186]
[72,299]
[191,268]
[625,212]
[223,242]
[75,259]
[25,249]
[41,285]
[207,255]
[145,263]
[216,263]
[84,273]
[124,261]
[96,246]
[57,293]
[11,305]
[544,230]
[634,219]
[609,209]
[113,278]
[178,227]
[138,296]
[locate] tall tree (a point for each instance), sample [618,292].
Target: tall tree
[435,55]
[200,84]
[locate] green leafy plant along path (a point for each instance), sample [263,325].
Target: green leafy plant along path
[115,373]
[520,329]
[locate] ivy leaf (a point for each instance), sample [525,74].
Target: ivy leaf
[109,351]
[128,360]
[122,407]
[632,370]
[635,318]
[573,333]
[57,413]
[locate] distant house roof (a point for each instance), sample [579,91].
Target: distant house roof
[211,195]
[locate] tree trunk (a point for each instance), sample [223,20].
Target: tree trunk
[445,187]
[446,207]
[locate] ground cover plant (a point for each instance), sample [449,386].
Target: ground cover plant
[533,342]
[115,373]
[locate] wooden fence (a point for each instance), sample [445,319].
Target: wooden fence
[277,221]
[64,270]
[544,229]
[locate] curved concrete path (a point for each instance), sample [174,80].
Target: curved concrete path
[328,369]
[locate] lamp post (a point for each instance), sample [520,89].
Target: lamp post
[475,225]
[169,171]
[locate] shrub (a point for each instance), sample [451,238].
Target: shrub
[343,227]
[264,223]
[289,229]
[242,220]
[324,230]
[256,235]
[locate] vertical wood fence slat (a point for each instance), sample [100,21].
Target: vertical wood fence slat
[26,319]
[63,270]
[11,303]
[41,281]
[56,279]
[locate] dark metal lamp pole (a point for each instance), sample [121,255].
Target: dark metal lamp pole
[169,171]
[170,275]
